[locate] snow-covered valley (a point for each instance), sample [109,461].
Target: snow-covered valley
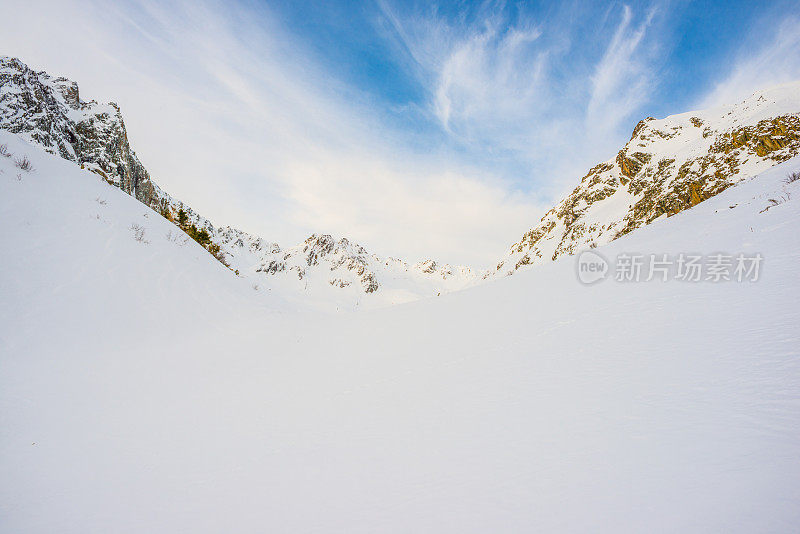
[330,273]
[146,388]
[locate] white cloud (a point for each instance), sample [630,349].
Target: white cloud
[485,77]
[230,115]
[622,80]
[528,90]
[776,62]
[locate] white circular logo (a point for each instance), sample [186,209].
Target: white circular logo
[592,267]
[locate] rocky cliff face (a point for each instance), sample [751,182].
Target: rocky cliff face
[668,166]
[49,112]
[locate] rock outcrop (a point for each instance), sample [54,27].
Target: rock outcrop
[668,165]
[49,112]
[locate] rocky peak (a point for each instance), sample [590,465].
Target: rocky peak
[69,91]
[668,165]
[427,266]
[640,126]
[49,112]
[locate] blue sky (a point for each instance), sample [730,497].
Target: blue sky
[689,47]
[419,129]
[693,42]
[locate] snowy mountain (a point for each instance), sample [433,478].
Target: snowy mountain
[144,388]
[50,113]
[668,165]
[322,260]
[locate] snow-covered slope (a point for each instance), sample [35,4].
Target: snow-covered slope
[145,389]
[668,165]
[50,113]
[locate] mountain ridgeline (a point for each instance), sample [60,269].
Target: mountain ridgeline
[49,112]
[668,165]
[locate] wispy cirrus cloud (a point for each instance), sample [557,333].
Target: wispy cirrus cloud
[623,79]
[548,91]
[478,71]
[770,61]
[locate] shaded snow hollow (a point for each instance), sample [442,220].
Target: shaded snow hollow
[144,388]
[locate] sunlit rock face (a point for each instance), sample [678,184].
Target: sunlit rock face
[668,165]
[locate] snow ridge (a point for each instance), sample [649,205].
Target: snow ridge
[668,165]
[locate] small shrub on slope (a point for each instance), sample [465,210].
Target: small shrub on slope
[201,236]
[24,163]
